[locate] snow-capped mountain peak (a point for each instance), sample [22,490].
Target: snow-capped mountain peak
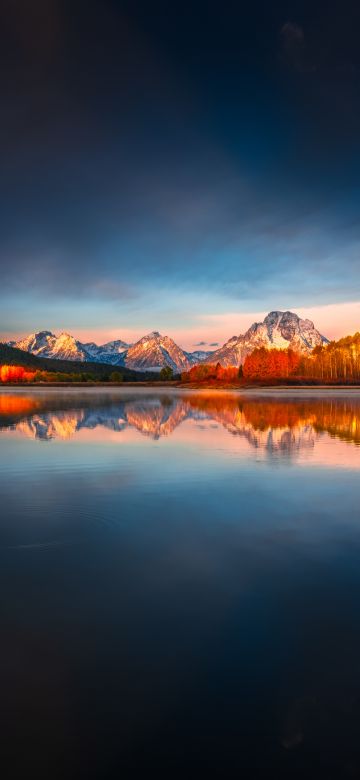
[37,343]
[66,347]
[154,351]
[280,329]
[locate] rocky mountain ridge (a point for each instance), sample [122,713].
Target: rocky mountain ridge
[151,352]
[154,351]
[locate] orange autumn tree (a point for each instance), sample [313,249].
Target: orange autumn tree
[15,374]
[265,363]
[211,373]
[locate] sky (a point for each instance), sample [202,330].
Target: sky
[181,167]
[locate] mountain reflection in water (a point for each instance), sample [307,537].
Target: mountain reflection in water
[276,424]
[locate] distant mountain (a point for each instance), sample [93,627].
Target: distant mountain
[154,352]
[280,329]
[198,356]
[112,352]
[46,344]
[66,347]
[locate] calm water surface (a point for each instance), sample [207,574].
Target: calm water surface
[180,584]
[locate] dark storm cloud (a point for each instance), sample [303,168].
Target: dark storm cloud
[141,148]
[227,238]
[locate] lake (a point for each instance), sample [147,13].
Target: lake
[180,583]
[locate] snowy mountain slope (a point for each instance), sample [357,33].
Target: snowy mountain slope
[112,352]
[281,330]
[66,347]
[36,343]
[46,344]
[155,351]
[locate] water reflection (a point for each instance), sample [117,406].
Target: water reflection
[276,424]
[180,586]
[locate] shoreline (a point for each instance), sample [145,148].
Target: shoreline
[186,388]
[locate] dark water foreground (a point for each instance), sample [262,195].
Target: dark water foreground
[179,584]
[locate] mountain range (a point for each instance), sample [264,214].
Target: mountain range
[66,347]
[154,351]
[151,353]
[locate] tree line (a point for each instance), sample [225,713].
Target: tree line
[22,374]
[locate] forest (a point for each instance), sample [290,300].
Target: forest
[338,361]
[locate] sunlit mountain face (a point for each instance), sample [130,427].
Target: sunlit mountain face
[269,425]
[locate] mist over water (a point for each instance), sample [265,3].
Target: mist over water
[180,581]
